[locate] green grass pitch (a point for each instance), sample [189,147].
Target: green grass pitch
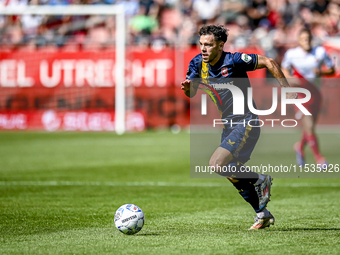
[59,193]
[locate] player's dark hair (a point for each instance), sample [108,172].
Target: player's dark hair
[219,32]
[306,30]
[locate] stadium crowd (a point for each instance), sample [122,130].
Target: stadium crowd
[273,25]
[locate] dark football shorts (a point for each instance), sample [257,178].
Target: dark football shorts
[240,140]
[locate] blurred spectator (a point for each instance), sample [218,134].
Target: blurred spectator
[232,9]
[30,23]
[272,25]
[258,12]
[186,7]
[187,35]
[14,2]
[157,40]
[289,10]
[97,38]
[207,10]
[170,20]
[13,35]
[143,24]
[307,16]
[130,6]
[331,20]
[55,2]
[319,7]
[146,4]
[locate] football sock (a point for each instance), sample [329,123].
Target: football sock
[303,141]
[263,214]
[244,183]
[312,142]
[248,192]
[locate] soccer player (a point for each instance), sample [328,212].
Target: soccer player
[305,62]
[237,141]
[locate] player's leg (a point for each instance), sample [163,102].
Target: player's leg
[220,157]
[308,123]
[299,149]
[308,126]
[244,184]
[254,188]
[223,157]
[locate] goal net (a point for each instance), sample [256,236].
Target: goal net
[63,68]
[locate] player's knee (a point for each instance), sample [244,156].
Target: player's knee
[308,129]
[220,159]
[213,162]
[216,164]
[308,125]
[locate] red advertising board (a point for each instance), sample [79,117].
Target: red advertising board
[51,120]
[77,89]
[96,69]
[84,69]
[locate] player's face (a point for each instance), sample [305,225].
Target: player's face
[305,41]
[211,50]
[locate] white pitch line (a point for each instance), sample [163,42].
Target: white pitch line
[118,184]
[153,184]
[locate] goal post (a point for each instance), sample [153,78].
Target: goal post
[120,51]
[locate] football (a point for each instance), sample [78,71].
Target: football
[129,219]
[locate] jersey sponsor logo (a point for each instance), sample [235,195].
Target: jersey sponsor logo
[246,58]
[224,71]
[221,86]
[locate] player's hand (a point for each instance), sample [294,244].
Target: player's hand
[186,85]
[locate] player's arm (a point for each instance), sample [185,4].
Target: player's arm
[328,65]
[274,68]
[325,72]
[189,88]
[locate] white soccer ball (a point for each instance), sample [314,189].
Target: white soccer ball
[129,219]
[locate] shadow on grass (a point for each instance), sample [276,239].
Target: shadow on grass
[148,234]
[305,229]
